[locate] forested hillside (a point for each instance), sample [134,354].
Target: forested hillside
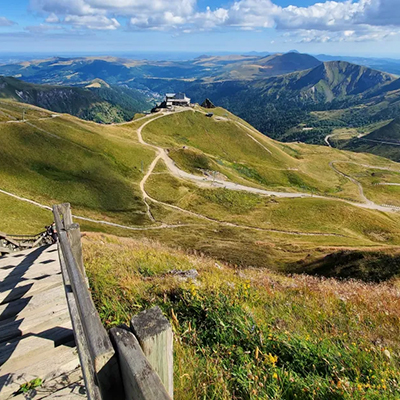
[96,102]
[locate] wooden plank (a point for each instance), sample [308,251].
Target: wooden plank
[71,392]
[74,236]
[53,363]
[16,354]
[32,326]
[139,379]
[99,345]
[28,288]
[65,210]
[25,307]
[54,386]
[30,271]
[154,333]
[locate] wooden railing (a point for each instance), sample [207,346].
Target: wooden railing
[135,363]
[12,243]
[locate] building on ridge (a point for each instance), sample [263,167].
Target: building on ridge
[178,99]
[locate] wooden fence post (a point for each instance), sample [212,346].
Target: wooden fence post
[154,333]
[139,379]
[74,237]
[65,210]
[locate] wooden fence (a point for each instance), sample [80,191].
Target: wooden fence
[12,243]
[135,363]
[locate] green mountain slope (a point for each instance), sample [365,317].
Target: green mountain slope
[248,199]
[388,133]
[276,64]
[384,141]
[97,102]
[278,105]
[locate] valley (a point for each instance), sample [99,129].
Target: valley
[286,96]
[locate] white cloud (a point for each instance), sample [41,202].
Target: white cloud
[96,22]
[52,19]
[323,21]
[6,22]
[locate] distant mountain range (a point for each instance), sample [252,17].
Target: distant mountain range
[113,70]
[279,94]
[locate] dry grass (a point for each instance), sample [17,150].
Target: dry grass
[254,333]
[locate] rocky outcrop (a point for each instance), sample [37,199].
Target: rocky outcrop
[207,103]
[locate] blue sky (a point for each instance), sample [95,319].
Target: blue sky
[350,27]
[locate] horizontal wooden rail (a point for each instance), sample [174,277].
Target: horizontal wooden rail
[132,367]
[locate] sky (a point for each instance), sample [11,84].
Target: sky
[351,27]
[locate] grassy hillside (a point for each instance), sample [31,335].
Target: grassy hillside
[278,94]
[98,169]
[95,102]
[389,133]
[64,159]
[197,143]
[252,333]
[384,141]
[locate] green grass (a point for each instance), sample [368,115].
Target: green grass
[17,217]
[371,180]
[18,111]
[95,168]
[196,142]
[254,334]
[294,215]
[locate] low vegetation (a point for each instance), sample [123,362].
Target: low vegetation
[251,333]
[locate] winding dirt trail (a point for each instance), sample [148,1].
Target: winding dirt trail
[327,140]
[212,183]
[48,208]
[359,185]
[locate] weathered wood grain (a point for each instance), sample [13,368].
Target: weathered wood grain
[99,347]
[154,333]
[92,390]
[139,379]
